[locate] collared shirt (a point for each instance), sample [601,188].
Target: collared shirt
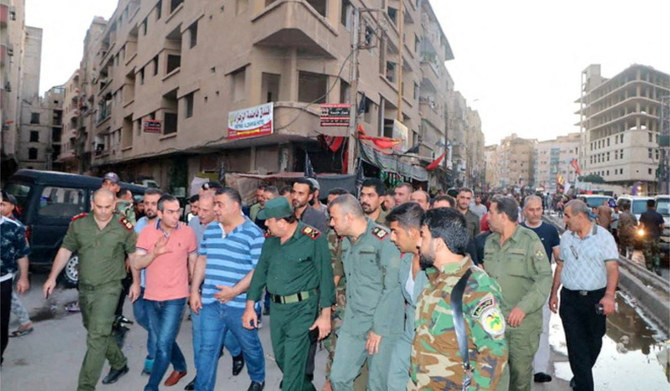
[412,287]
[521,269]
[373,289]
[584,259]
[230,257]
[167,275]
[436,363]
[102,252]
[13,245]
[301,263]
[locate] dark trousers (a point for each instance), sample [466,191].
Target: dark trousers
[584,331]
[5,307]
[125,284]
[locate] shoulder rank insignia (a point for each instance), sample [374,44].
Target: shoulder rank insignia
[79,216]
[126,223]
[313,233]
[379,233]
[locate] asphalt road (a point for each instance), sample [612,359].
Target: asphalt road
[49,358]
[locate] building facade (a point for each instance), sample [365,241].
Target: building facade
[12,30]
[158,81]
[40,131]
[620,124]
[512,164]
[554,157]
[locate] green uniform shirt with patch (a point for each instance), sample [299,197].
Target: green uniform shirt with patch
[300,264]
[102,252]
[374,300]
[436,363]
[521,268]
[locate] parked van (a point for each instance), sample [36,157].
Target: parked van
[638,204]
[594,200]
[47,201]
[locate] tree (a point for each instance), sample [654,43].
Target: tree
[592,178]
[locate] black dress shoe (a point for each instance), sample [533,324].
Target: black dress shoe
[114,375]
[190,386]
[256,386]
[541,377]
[238,364]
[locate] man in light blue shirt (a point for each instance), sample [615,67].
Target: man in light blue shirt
[589,272]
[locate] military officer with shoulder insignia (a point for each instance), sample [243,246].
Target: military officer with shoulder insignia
[294,266]
[102,240]
[374,315]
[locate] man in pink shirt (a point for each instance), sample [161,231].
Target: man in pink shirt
[165,250]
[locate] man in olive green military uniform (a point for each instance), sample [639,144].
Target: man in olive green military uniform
[371,198]
[436,360]
[405,224]
[102,240]
[373,318]
[515,258]
[463,200]
[295,267]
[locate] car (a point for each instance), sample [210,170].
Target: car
[638,204]
[663,207]
[47,201]
[594,200]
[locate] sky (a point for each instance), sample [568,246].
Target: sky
[518,63]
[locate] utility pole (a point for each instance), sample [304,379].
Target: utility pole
[401,18]
[353,111]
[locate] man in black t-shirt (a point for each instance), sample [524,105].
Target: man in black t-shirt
[548,234]
[652,221]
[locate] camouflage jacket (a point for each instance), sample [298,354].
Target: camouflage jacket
[13,245]
[436,363]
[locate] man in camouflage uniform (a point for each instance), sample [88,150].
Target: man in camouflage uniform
[436,363]
[626,228]
[652,222]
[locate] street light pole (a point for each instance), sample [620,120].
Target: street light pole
[353,77]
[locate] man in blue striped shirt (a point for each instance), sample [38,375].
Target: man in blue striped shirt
[228,254]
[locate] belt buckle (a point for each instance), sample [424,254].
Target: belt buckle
[584,293]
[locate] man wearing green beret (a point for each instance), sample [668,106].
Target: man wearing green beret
[295,268]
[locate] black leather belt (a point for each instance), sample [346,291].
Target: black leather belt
[294,298]
[585,292]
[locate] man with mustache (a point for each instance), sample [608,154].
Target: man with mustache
[436,363]
[371,198]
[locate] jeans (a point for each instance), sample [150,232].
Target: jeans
[230,342]
[216,321]
[140,309]
[165,319]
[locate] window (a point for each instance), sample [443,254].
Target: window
[608,156]
[345,15]
[159,9]
[312,87]
[621,154]
[170,123]
[61,202]
[657,154]
[621,138]
[270,87]
[174,4]
[32,153]
[319,6]
[34,136]
[393,14]
[34,118]
[193,33]
[141,77]
[608,141]
[188,104]
[173,62]
[651,137]
[390,71]
[238,79]
[649,171]
[145,26]
[155,64]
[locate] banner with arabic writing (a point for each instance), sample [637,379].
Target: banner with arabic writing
[250,122]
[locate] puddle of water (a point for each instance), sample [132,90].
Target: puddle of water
[633,356]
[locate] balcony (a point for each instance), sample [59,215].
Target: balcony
[430,111]
[296,24]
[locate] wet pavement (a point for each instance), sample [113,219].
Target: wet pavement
[634,355]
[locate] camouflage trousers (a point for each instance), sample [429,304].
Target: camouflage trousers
[652,253]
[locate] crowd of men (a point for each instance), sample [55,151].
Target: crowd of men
[408,292]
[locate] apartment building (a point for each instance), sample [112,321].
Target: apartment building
[71,120]
[511,165]
[554,157]
[40,131]
[159,81]
[491,165]
[619,122]
[12,29]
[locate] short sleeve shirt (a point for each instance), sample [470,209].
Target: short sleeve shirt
[548,234]
[102,252]
[584,259]
[13,244]
[167,275]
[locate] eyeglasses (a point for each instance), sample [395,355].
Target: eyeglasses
[574,252]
